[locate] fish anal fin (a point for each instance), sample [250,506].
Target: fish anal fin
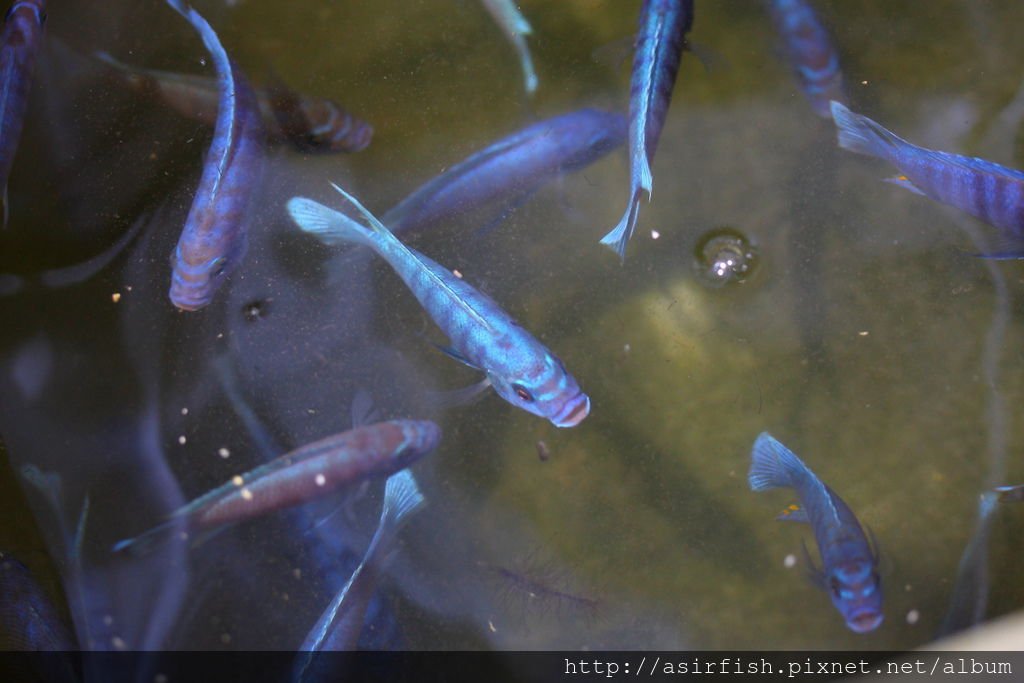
[904,182]
[794,513]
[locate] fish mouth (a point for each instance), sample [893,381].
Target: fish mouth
[187,298]
[864,621]
[573,412]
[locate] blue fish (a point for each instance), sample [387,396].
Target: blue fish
[811,53]
[984,189]
[511,168]
[483,336]
[659,47]
[849,563]
[515,26]
[214,241]
[1009,494]
[19,43]
[339,626]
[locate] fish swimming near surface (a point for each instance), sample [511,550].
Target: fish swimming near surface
[214,240]
[510,169]
[849,562]
[986,190]
[811,53]
[19,43]
[304,474]
[659,48]
[310,124]
[515,27]
[483,336]
[339,626]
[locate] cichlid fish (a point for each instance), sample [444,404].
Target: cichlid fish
[659,47]
[1009,494]
[339,626]
[213,241]
[19,42]
[848,561]
[515,27]
[511,168]
[310,124]
[984,189]
[483,336]
[811,53]
[308,472]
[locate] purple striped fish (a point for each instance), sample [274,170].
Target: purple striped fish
[214,241]
[307,473]
[811,53]
[659,47]
[22,35]
[483,336]
[984,189]
[311,124]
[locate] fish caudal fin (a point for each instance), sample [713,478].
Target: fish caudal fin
[619,237]
[773,465]
[145,542]
[326,224]
[862,135]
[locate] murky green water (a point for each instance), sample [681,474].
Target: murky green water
[863,340]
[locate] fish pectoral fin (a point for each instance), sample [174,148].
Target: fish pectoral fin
[363,410]
[812,572]
[794,513]
[905,183]
[452,353]
[1002,249]
[460,397]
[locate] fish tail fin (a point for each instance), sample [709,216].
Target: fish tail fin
[326,224]
[772,464]
[144,542]
[619,237]
[860,134]
[402,498]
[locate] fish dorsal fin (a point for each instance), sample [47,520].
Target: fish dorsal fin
[381,230]
[363,410]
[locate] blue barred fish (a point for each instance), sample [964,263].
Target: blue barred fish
[304,474]
[515,26]
[659,48]
[811,53]
[310,124]
[214,239]
[511,168]
[849,563]
[483,336]
[19,43]
[339,626]
[984,189]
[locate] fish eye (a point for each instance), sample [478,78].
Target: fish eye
[523,393]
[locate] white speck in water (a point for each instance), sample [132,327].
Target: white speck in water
[626,349]
[224,453]
[202,61]
[246,494]
[912,616]
[863,333]
[490,625]
[115,297]
[108,620]
[237,480]
[181,439]
[118,643]
[184,411]
[790,561]
[297,573]
[908,588]
[321,480]
[655,234]
[457,274]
